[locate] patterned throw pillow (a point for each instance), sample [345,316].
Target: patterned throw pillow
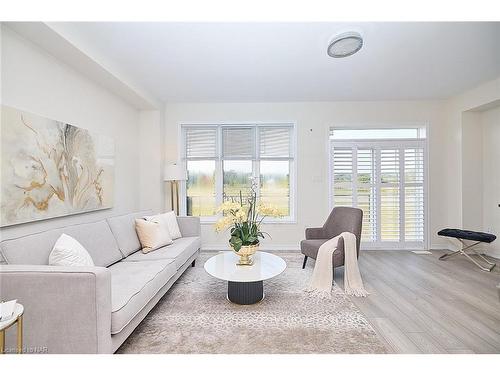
[69,252]
[169,221]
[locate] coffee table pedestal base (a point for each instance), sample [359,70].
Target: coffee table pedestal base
[245,293]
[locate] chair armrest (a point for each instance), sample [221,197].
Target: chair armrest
[315,233]
[66,309]
[189,225]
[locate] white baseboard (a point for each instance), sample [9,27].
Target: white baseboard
[388,249]
[264,247]
[442,247]
[494,253]
[278,247]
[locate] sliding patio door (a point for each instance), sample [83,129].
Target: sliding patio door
[386,179]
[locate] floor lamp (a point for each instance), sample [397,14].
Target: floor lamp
[174,173]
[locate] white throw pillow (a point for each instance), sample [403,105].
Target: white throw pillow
[152,234]
[69,252]
[173,226]
[169,221]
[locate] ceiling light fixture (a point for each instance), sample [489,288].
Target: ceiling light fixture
[345,44]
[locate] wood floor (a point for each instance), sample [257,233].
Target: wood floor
[419,304]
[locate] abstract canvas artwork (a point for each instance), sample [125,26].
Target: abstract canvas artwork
[50,168]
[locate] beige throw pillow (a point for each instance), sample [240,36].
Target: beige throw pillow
[152,235]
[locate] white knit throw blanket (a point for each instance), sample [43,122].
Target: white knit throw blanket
[322,277]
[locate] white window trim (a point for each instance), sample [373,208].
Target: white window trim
[349,143]
[291,219]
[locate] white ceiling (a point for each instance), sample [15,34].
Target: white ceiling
[255,62]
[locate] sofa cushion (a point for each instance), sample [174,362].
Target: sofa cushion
[133,285]
[310,248]
[95,237]
[181,250]
[123,228]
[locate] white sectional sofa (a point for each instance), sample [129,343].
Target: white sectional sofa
[91,309]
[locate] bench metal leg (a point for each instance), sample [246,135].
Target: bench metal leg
[483,258]
[487,269]
[462,252]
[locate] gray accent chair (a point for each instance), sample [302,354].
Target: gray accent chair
[341,219]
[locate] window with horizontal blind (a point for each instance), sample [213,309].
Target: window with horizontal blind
[221,160]
[385,177]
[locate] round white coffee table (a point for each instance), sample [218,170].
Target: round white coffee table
[245,283]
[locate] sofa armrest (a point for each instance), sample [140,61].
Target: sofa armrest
[66,309]
[315,233]
[189,225]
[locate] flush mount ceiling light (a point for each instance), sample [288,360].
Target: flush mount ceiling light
[345,44]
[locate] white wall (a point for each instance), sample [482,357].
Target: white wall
[455,107]
[313,122]
[490,121]
[151,160]
[472,170]
[481,172]
[36,82]
[457,111]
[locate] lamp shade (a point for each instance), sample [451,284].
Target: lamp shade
[174,172]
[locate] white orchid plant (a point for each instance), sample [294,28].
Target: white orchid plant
[245,219]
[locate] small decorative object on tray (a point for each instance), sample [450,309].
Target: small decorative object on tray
[7,309]
[244,217]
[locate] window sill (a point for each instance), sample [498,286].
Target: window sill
[209,221]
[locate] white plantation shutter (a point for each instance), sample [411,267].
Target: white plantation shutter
[389,194]
[354,178]
[275,142]
[414,194]
[201,142]
[238,143]
[386,179]
[366,193]
[343,169]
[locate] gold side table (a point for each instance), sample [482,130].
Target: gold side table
[17,317]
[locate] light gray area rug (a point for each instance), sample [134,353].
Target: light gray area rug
[195,317]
